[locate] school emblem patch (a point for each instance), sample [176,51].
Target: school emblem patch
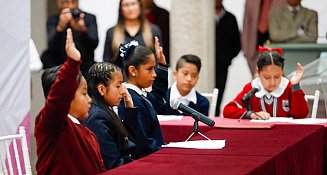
[286,105]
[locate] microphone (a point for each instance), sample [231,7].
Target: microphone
[249,95]
[178,105]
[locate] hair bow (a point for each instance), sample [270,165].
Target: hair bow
[124,48]
[262,49]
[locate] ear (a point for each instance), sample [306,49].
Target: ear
[101,89]
[175,74]
[132,71]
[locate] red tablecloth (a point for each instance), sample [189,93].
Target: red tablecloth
[284,149]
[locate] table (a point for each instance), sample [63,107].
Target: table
[283,149]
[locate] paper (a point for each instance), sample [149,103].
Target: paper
[309,121]
[198,144]
[273,119]
[169,117]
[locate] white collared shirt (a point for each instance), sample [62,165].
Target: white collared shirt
[190,97]
[136,89]
[74,119]
[297,8]
[276,93]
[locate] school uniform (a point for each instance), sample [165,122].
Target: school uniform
[145,131]
[114,153]
[285,101]
[63,145]
[193,99]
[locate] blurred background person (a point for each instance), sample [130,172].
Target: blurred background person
[255,28]
[293,23]
[228,45]
[131,25]
[85,32]
[160,17]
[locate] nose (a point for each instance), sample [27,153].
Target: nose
[89,99]
[154,74]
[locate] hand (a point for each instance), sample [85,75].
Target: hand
[127,98]
[159,52]
[64,19]
[297,77]
[78,24]
[260,115]
[71,50]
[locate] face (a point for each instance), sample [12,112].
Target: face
[186,78]
[112,93]
[294,3]
[271,77]
[67,4]
[145,74]
[130,9]
[81,103]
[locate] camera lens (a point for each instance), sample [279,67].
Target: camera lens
[76,13]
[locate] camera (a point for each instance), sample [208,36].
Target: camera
[75,13]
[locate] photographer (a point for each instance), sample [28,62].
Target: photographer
[84,28]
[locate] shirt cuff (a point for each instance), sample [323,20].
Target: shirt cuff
[296,87]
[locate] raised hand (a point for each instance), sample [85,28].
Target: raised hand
[297,77]
[159,52]
[127,97]
[71,50]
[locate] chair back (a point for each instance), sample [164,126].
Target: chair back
[315,99]
[213,97]
[13,165]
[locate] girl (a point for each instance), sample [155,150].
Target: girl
[277,96]
[64,146]
[106,89]
[141,71]
[131,25]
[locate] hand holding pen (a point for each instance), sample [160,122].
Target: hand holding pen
[260,115]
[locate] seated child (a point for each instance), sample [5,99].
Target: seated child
[106,89]
[142,70]
[186,76]
[277,97]
[64,146]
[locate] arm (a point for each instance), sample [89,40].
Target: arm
[53,117]
[89,33]
[107,51]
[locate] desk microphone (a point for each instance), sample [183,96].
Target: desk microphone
[249,95]
[178,105]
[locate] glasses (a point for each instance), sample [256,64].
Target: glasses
[131,4]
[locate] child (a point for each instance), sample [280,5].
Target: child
[277,97]
[141,70]
[106,89]
[64,146]
[186,76]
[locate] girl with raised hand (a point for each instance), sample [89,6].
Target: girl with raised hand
[141,70]
[276,96]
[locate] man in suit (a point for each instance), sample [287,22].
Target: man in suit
[228,45]
[84,28]
[255,28]
[293,23]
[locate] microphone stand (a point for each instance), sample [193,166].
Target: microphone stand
[196,130]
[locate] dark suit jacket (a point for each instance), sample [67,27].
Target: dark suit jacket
[85,42]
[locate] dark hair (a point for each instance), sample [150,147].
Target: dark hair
[189,58]
[102,73]
[135,56]
[49,77]
[270,58]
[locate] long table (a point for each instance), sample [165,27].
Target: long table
[281,149]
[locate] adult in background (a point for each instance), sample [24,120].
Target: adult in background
[293,23]
[85,32]
[228,45]
[131,25]
[160,17]
[255,28]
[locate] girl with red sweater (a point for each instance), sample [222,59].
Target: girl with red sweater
[276,97]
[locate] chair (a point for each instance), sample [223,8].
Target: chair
[213,97]
[9,166]
[315,99]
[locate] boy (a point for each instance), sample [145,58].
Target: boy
[64,146]
[186,76]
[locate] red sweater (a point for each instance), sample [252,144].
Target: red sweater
[64,147]
[289,104]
